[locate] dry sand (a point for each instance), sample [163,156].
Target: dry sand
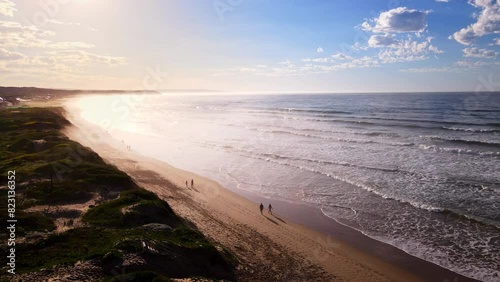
[269,247]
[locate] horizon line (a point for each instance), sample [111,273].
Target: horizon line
[159,91]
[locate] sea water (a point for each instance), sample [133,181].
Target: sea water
[420,171]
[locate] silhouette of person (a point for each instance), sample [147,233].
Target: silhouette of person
[261,207]
[192,183]
[187,184]
[270,209]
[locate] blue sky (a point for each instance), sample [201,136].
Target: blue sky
[252,45]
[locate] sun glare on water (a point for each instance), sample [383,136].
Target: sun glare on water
[109,112]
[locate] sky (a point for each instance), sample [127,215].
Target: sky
[252,45]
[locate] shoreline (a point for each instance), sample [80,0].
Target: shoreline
[351,255]
[313,218]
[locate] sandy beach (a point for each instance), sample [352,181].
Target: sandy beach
[295,243]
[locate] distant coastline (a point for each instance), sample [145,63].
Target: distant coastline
[36,92]
[33,92]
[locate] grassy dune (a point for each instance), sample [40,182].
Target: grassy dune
[114,219]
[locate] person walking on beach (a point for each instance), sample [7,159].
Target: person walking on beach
[192,183]
[270,209]
[187,184]
[261,207]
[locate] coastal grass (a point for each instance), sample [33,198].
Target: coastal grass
[131,209]
[34,221]
[104,244]
[52,170]
[33,144]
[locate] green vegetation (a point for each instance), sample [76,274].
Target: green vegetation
[52,170]
[133,208]
[30,222]
[32,143]
[69,247]
[106,244]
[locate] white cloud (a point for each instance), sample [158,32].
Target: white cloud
[475,64]
[394,50]
[400,51]
[30,52]
[435,49]
[391,51]
[37,65]
[53,59]
[358,47]
[366,26]
[479,53]
[408,50]
[363,62]
[7,8]
[53,21]
[70,45]
[321,60]
[60,63]
[443,1]
[488,21]
[480,3]
[287,63]
[85,58]
[398,20]
[341,56]
[6,55]
[310,66]
[386,40]
[400,55]
[497,41]
[46,71]
[14,34]
[387,34]
[426,70]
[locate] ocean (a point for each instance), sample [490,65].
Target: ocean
[419,171]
